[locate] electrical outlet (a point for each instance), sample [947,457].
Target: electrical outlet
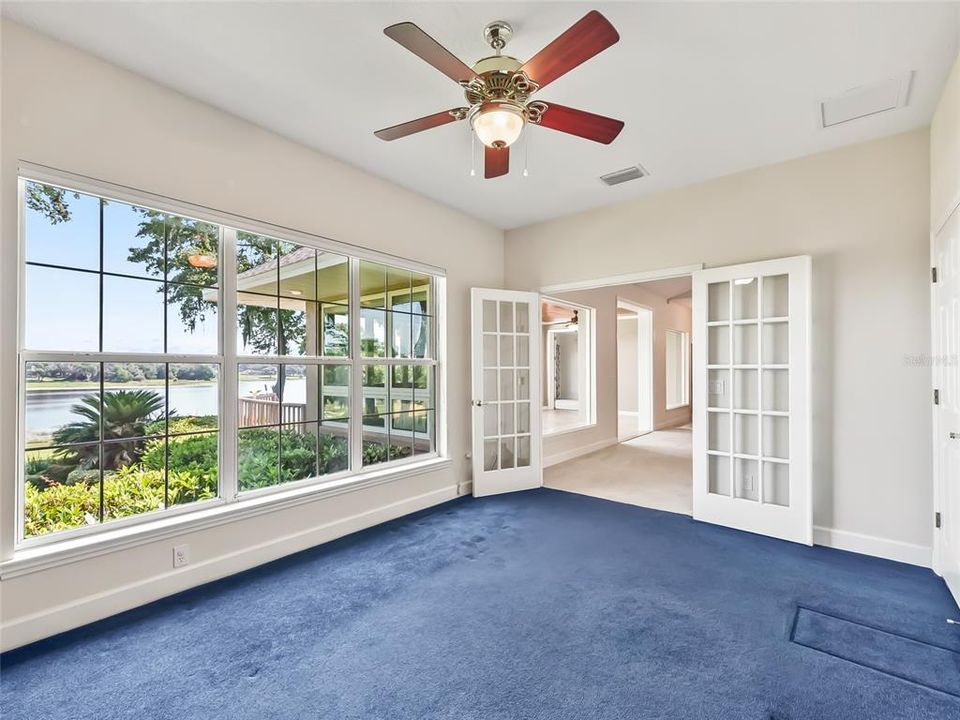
[748,483]
[716,387]
[181,555]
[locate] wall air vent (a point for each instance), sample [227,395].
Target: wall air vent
[634,172]
[867,100]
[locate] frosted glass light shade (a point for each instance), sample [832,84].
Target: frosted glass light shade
[499,126]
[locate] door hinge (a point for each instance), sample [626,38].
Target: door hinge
[933,274]
[936,520]
[936,397]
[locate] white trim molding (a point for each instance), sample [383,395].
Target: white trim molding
[74,549]
[871,545]
[625,279]
[67,616]
[560,457]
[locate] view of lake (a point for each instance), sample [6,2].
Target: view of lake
[49,409]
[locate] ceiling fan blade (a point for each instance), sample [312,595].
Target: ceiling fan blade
[581,123]
[418,125]
[496,161]
[590,35]
[422,45]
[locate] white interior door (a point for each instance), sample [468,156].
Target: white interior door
[946,376]
[751,396]
[505,337]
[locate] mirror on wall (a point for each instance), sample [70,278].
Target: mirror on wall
[566,365]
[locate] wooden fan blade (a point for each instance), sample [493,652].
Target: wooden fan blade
[496,161]
[418,125]
[581,123]
[422,45]
[590,35]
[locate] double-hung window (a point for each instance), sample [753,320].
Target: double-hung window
[170,362]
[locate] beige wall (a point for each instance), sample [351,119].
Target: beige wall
[666,316]
[945,151]
[68,110]
[628,367]
[862,212]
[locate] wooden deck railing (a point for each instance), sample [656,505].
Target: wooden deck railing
[267,410]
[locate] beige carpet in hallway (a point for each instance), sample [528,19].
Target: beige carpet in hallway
[653,471]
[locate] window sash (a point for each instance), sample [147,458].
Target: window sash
[227,357]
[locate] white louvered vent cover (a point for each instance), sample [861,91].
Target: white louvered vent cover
[634,172]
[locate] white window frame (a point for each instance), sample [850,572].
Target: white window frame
[684,367]
[230,502]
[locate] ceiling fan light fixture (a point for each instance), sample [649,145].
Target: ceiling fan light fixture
[498,125]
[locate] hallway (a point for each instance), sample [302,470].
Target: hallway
[653,471]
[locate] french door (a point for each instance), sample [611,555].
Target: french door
[505,339]
[751,397]
[946,376]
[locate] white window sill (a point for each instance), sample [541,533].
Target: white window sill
[677,407]
[69,550]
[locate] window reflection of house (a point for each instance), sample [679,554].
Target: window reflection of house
[304,295]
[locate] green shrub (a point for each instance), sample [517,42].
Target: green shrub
[258,453]
[128,491]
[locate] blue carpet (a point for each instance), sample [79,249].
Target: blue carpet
[540,604]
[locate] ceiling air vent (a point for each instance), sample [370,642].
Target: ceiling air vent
[864,101]
[634,172]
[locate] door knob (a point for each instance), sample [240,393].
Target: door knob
[954,436]
[477,403]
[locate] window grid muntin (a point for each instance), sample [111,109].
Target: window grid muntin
[226,310]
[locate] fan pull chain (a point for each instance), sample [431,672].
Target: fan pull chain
[473,153]
[526,154]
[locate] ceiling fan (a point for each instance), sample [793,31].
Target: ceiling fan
[498,88]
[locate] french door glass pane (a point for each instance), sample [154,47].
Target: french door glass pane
[776,296]
[745,345]
[718,345]
[746,434]
[506,317]
[776,390]
[718,388]
[718,431]
[718,301]
[718,474]
[776,484]
[746,479]
[776,343]
[745,299]
[489,316]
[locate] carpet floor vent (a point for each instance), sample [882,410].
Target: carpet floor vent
[932,666]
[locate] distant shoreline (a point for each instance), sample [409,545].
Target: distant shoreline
[63,385]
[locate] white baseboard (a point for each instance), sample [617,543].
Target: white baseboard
[577,452]
[85,610]
[921,555]
[673,424]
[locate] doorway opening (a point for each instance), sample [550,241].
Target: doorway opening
[639,448]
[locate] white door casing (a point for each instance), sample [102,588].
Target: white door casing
[946,381]
[751,398]
[506,379]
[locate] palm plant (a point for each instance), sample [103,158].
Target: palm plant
[126,414]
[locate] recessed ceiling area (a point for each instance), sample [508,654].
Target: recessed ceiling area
[705,89]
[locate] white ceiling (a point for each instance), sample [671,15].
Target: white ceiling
[705,89]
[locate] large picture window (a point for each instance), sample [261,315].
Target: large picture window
[169,362]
